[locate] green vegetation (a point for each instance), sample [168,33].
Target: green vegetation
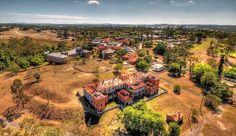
[174,129]
[230,73]
[18,96]
[194,115]
[21,53]
[216,92]
[160,48]
[142,65]
[139,119]
[212,101]
[174,69]
[118,68]
[177,89]
[148,44]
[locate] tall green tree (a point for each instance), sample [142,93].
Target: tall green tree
[174,129]
[221,66]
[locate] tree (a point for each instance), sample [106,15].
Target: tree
[141,52]
[120,52]
[118,68]
[17,94]
[174,69]
[61,46]
[198,70]
[194,115]
[212,62]
[23,63]
[212,101]
[20,99]
[230,73]
[37,76]
[221,65]
[2,66]
[174,129]
[140,120]
[16,86]
[142,65]
[177,89]
[148,44]
[13,67]
[160,49]
[36,60]
[208,81]
[222,91]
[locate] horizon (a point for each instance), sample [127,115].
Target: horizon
[129,12]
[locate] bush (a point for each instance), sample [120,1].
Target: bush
[36,61]
[140,120]
[212,102]
[160,48]
[142,65]
[2,66]
[23,63]
[174,129]
[148,44]
[14,67]
[141,53]
[199,69]
[174,68]
[177,89]
[230,73]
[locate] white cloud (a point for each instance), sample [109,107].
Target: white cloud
[191,2]
[182,3]
[172,2]
[93,2]
[76,1]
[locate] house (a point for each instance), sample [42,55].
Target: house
[107,53]
[63,57]
[96,41]
[124,88]
[124,97]
[57,58]
[129,49]
[174,117]
[131,58]
[157,67]
[97,99]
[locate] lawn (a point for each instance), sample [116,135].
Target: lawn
[232,54]
[203,46]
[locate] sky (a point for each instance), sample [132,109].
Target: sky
[222,12]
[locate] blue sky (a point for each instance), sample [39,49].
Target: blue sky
[119,11]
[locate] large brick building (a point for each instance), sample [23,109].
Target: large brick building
[124,88]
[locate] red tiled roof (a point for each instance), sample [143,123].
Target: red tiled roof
[176,116]
[140,85]
[124,95]
[131,57]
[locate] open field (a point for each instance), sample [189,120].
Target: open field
[43,37]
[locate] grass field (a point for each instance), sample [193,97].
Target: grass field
[202,46]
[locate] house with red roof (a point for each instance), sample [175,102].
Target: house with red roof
[125,97]
[131,58]
[125,88]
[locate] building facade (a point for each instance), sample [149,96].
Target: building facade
[125,89]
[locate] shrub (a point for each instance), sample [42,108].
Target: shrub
[174,129]
[35,61]
[212,102]
[23,63]
[230,73]
[177,89]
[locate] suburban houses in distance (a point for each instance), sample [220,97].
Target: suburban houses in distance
[63,57]
[126,89]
